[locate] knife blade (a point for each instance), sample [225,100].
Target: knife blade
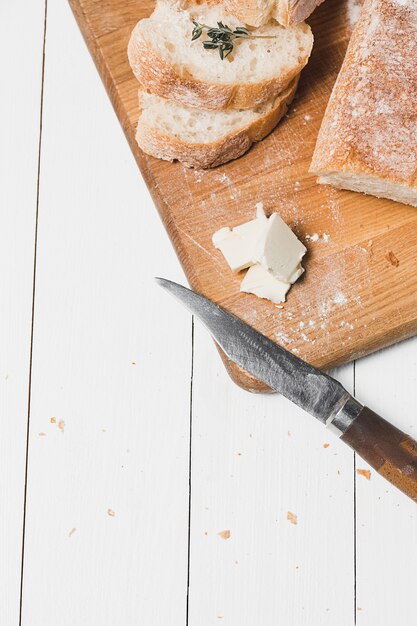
[386,448]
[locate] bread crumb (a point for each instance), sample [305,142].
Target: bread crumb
[364,472]
[326,445]
[392,259]
[42,434]
[224,534]
[291,517]
[111,513]
[53,420]
[71,532]
[61,425]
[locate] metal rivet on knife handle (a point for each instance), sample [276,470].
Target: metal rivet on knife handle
[345,417]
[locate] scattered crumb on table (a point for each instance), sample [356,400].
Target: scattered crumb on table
[42,434]
[326,445]
[224,534]
[71,532]
[53,420]
[61,425]
[111,513]
[291,517]
[365,473]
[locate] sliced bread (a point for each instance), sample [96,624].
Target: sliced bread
[368,138]
[202,139]
[167,63]
[258,12]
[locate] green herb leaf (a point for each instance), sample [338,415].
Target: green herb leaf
[210,45]
[240,30]
[197,31]
[222,38]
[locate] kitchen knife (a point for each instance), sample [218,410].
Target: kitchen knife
[392,453]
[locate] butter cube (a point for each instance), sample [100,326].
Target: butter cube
[279,251]
[238,244]
[263,284]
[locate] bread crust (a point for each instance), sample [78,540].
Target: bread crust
[258,12]
[369,128]
[251,12]
[157,76]
[229,147]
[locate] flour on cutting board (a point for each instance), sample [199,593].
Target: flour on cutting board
[325,237]
[331,304]
[331,202]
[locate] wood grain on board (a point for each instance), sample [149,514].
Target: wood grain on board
[359,292]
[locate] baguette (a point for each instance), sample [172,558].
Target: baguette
[167,63]
[203,139]
[258,12]
[368,138]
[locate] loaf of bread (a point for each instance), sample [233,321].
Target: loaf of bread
[258,12]
[368,138]
[168,64]
[202,139]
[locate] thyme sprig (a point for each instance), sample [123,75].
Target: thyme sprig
[222,38]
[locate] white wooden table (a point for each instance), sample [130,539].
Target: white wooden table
[124,447]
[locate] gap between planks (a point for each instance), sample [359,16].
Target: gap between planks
[33,312]
[187,607]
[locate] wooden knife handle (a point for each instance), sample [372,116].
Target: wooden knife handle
[386,448]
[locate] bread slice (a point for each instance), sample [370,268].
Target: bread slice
[202,139]
[258,12]
[167,63]
[368,138]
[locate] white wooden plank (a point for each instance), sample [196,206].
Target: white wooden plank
[107,506]
[254,460]
[19,131]
[386,519]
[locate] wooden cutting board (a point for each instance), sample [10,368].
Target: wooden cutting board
[359,292]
